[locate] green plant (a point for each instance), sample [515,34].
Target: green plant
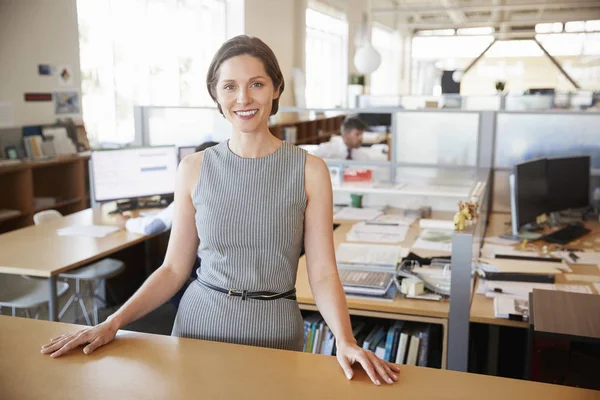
[356,79]
[500,85]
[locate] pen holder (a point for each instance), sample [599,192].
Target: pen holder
[356,200]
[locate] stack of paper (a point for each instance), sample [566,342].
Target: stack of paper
[434,239]
[515,289]
[357,214]
[376,232]
[511,308]
[395,219]
[96,231]
[369,257]
[579,257]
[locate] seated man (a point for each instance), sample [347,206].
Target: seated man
[348,146]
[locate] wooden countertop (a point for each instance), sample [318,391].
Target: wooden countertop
[144,366]
[482,308]
[40,251]
[436,309]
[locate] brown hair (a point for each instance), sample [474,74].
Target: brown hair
[254,47]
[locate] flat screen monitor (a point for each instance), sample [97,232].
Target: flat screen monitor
[531,191]
[376,119]
[569,182]
[185,151]
[133,173]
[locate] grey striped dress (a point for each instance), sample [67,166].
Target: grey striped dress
[250,222]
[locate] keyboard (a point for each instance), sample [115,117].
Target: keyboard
[566,234]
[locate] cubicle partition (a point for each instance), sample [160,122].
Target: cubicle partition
[523,136]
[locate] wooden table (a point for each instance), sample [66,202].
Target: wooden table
[144,366]
[435,312]
[39,251]
[482,308]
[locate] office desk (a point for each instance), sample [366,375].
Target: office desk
[144,366]
[435,312]
[39,251]
[482,308]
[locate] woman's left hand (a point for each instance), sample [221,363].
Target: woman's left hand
[376,368]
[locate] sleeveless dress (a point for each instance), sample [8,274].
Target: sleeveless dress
[250,222]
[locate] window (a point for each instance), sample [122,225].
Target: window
[385,80]
[150,52]
[326,60]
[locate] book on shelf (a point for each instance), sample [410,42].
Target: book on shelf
[399,342]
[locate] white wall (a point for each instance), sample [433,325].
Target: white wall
[274,22]
[36,32]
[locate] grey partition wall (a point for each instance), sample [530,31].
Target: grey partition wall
[465,252]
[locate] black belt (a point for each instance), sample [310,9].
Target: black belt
[244,294]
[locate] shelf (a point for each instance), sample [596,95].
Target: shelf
[405,190]
[7,215]
[59,204]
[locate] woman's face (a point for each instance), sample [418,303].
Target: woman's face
[245,93]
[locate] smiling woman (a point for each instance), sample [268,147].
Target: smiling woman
[249,205]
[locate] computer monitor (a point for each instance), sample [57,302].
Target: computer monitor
[185,151]
[376,119]
[568,182]
[530,191]
[133,173]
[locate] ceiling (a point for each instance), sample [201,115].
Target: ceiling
[510,18]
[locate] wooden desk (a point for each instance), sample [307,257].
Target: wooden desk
[39,251]
[143,366]
[482,308]
[435,312]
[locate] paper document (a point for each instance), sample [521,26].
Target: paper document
[521,289]
[580,257]
[508,306]
[434,239]
[377,233]
[574,288]
[349,254]
[501,241]
[436,224]
[582,278]
[357,214]
[524,267]
[395,219]
[96,231]
[492,250]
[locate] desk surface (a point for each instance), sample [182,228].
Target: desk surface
[144,366]
[437,309]
[39,251]
[482,308]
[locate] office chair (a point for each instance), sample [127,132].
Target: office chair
[93,273]
[19,292]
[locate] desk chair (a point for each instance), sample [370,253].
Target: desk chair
[93,273]
[26,293]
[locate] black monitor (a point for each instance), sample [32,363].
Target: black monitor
[376,119]
[568,183]
[531,191]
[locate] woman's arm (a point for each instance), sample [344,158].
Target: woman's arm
[323,276]
[163,283]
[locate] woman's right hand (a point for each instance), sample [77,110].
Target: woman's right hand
[94,337]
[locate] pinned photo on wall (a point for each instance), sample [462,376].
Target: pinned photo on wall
[65,75]
[66,103]
[45,69]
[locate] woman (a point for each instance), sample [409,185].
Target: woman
[250,203]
